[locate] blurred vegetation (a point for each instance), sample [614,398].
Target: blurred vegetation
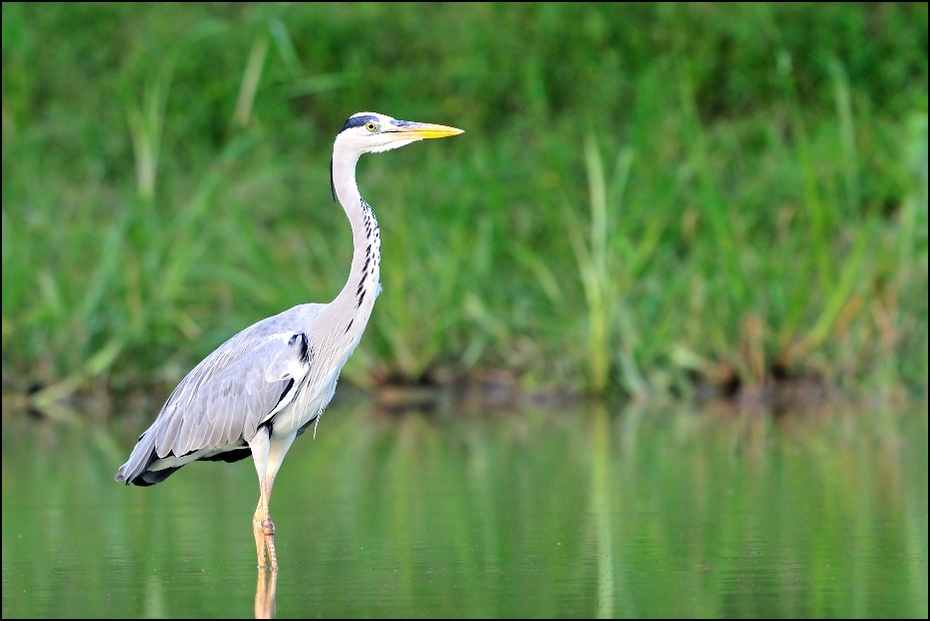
[647,197]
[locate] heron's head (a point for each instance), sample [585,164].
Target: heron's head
[371,132]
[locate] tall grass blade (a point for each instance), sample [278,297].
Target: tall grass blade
[285,46]
[817,212]
[712,203]
[597,260]
[245,102]
[847,128]
[145,128]
[839,295]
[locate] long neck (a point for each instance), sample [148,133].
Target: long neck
[354,303]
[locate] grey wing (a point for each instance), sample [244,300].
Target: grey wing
[224,399]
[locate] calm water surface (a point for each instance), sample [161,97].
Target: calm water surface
[540,513]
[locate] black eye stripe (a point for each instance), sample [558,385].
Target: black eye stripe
[358,121]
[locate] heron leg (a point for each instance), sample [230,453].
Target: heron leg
[268,455]
[263,529]
[261,445]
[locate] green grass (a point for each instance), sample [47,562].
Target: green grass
[646,197]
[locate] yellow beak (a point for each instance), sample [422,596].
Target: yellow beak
[418,131]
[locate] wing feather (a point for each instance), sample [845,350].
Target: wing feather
[239,398]
[225,398]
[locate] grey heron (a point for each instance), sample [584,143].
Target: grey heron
[267,384]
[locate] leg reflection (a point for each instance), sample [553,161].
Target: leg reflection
[265,593]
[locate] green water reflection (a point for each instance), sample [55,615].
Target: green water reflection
[539,513]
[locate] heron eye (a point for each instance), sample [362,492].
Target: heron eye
[371,126]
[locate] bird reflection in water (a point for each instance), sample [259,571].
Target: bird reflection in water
[265,593]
